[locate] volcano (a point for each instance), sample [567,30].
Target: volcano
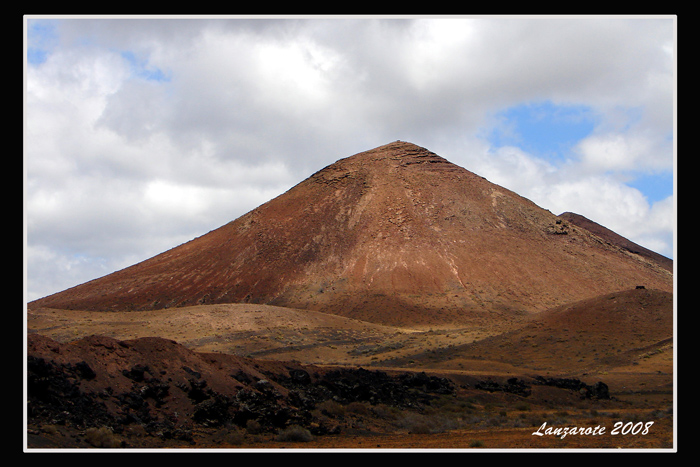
[392,235]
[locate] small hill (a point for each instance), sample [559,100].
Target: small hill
[613,330]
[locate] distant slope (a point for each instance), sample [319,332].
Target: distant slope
[610,330]
[616,239]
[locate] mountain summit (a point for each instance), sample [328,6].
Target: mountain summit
[394,235]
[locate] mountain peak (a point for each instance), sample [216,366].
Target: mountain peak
[400,153]
[399,162]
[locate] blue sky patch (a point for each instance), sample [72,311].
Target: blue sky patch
[655,187]
[41,38]
[140,68]
[543,129]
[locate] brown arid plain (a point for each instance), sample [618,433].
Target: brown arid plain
[391,301]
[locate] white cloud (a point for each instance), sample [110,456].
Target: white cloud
[142,134]
[624,152]
[52,270]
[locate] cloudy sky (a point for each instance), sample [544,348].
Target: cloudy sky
[143,133]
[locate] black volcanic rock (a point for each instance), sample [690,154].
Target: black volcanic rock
[167,397]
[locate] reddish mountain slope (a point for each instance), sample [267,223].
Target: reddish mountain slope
[616,239]
[394,235]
